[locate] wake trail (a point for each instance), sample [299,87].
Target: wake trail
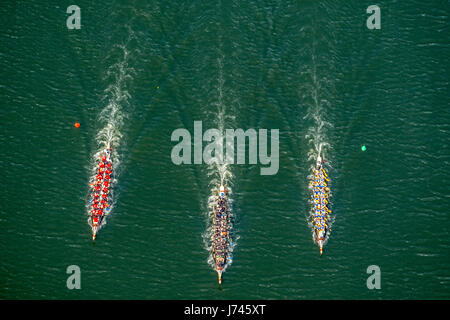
[219,237]
[105,162]
[319,217]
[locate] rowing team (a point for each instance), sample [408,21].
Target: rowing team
[321,211]
[221,233]
[100,191]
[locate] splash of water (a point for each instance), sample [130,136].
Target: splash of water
[317,138]
[220,175]
[112,116]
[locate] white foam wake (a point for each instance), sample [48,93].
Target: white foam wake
[219,174]
[112,117]
[317,137]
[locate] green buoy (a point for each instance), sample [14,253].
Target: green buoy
[363,148]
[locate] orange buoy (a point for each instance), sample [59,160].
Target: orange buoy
[77,125]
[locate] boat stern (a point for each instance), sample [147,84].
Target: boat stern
[222,191]
[319,161]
